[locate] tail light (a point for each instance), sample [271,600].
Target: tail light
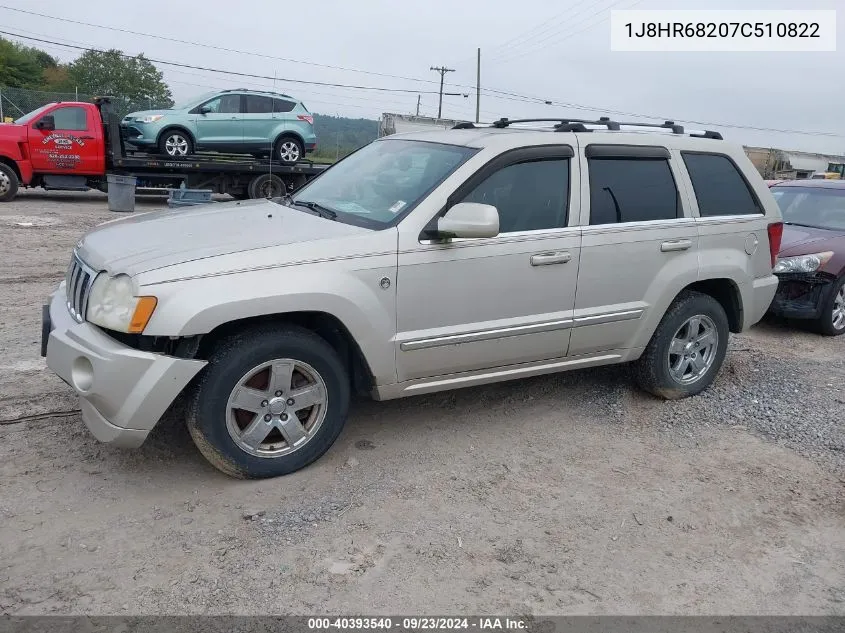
[306,117]
[775,236]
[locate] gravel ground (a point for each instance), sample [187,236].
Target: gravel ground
[572,493]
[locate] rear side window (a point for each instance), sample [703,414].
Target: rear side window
[70,118]
[258,105]
[282,105]
[719,186]
[631,190]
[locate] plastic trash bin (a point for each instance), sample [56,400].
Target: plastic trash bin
[121,190]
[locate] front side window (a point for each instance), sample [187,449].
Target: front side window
[632,190]
[380,183]
[226,104]
[529,196]
[719,187]
[817,207]
[70,118]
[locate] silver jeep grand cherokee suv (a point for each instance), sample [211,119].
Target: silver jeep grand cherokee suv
[422,262]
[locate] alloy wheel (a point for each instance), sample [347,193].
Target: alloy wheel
[276,408]
[838,315]
[289,152]
[176,145]
[693,349]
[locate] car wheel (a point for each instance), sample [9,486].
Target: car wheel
[832,321]
[289,150]
[687,349]
[271,401]
[8,183]
[266,186]
[176,144]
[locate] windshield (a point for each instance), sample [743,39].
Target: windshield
[819,207]
[26,118]
[380,183]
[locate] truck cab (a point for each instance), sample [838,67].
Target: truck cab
[58,146]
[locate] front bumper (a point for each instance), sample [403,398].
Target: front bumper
[802,295]
[137,134]
[123,392]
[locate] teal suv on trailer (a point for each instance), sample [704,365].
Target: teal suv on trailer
[234,121]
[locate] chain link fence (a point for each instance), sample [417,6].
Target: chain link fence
[16,102]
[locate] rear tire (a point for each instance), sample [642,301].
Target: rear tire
[231,439]
[687,349]
[175,144]
[832,321]
[8,183]
[266,186]
[289,150]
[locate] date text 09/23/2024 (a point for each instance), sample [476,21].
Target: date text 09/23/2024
[418,623]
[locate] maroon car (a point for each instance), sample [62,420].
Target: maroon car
[811,262]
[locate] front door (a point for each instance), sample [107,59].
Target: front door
[474,304]
[221,128]
[638,238]
[71,147]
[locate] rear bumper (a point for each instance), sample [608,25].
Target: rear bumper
[802,296]
[762,292]
[123,392]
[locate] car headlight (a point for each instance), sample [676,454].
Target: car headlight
[802,263]
[150,118]
[113,305]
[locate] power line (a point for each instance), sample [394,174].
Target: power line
[215,47]
[493,93]
[227,72]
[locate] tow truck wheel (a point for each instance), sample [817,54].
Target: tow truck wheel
[175,143]
[266,186]
[8,183]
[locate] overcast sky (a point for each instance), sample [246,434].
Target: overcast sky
[554,49]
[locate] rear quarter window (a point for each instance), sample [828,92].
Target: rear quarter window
[720,187]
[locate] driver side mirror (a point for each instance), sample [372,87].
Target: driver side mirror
[469,219]
[46,122]
[205,110]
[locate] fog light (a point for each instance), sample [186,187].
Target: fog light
[82,374]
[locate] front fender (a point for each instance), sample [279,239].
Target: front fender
[354,296]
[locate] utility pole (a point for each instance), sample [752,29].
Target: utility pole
[442,70]
[418,104]
[478,90]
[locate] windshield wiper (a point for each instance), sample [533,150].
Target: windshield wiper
[316,207]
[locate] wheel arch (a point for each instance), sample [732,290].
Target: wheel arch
[11,162]
[289,134]
[176,126]
[329,327]
[727,293]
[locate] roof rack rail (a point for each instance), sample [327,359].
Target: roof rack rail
[579,125]
[266,92]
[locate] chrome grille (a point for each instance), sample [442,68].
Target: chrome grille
[78,287]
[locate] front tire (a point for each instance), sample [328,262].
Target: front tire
[687,349]
[271,401]
[832,321]
[289,150]
[175,144]
[8,183]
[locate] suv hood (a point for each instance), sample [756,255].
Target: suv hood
[154,240]
[804,240]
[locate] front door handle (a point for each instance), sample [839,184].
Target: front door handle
[675,245]
[554,257]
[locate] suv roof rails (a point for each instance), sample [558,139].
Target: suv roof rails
[265,92]
[580,125]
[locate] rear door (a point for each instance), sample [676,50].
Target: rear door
[72,147]
[221,128]
[640,244]
[259,122]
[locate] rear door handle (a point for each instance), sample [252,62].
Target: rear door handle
[675,245]
[554,257]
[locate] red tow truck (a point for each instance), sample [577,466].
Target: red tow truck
[74,145]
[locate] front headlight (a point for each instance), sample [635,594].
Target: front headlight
[150,118]
[113,305]
[802,263]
